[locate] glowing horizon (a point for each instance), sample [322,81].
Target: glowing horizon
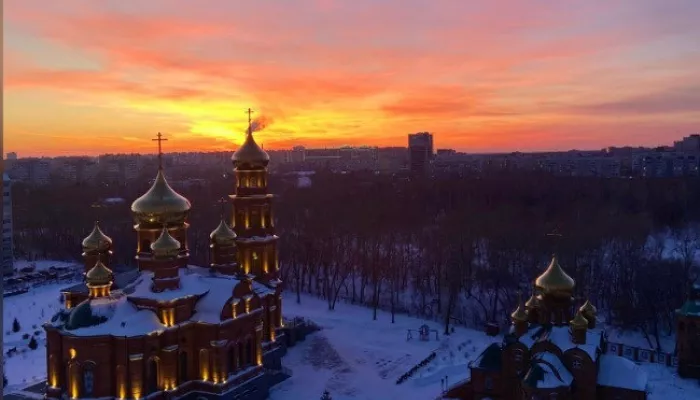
[86,78]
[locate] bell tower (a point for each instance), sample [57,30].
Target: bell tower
[252,219]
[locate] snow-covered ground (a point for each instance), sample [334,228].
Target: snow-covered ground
[353,357]
[31,310]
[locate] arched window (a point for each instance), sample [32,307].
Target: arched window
[257,262]
[518,355]
[488,383]
[145,245]
[88,380]
[241,355]
[183,367]
[204,364]
[231,359]
[152,375]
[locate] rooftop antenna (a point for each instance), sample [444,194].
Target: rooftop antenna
[160,139]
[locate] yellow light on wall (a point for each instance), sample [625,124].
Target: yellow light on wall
[247,305]
[72,353]
[247,220]
[136,391]
[122,390]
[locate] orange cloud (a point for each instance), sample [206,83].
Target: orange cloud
[486,76]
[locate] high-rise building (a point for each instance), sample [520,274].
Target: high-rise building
[7,254]
[420,152]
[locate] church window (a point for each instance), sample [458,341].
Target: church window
[488,383]
[518,355]
[152,375]
[183,367]
[88,381]
[577,363]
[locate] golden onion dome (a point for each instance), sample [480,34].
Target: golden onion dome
[99,275]
[160,204]
[223,234]
[554,280]
[533,301]
[97,240]
[588,308]
[165,245]
[519,315]
[250,153]
[579,321]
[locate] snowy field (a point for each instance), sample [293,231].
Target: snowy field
[353,357]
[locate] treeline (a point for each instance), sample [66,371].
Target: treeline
[450,248]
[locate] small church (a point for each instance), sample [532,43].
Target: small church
[555,350]
[169,329]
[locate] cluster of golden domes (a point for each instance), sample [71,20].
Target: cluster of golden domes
[555,283]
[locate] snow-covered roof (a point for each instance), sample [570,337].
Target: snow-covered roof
[619,372]
[548,372]
[257,239]
[191,284]
[690,307]
[116,316]
[122,279]
[108,316]
[561,337]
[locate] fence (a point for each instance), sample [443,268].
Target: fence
[642,355]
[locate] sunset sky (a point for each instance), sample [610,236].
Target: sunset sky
[98,76]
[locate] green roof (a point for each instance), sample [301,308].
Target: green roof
[81,317]
[490,358]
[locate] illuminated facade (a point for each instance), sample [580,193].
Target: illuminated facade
[554,351]
[172,329]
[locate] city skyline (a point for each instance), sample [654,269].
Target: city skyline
[484,78]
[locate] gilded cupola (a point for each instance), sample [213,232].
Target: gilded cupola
[532,302]
[160,204]
[588,309]
[579,321]
[99,275]
[519,315]
[97,240]
[554,281]
[250,154]
[223,235]
[165,245]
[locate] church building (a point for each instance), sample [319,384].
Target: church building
[554,351]
[169,329]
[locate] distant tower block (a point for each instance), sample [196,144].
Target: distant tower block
[160,205]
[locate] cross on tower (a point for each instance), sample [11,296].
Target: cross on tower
[250,120]
[223,203]
[160,139]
